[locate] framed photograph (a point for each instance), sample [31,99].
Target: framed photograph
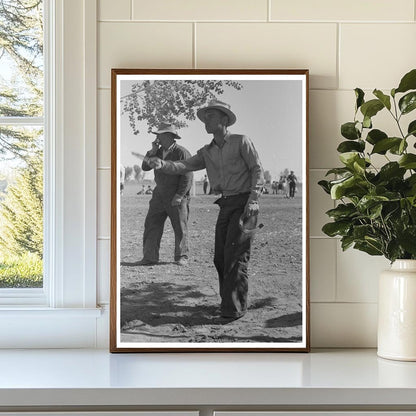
[209,211]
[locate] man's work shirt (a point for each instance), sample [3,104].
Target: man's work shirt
[168,185]
[232,169]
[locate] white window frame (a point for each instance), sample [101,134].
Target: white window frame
[64,313]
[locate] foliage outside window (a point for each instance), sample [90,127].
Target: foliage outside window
[21,143]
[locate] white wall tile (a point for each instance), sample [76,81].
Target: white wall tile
[349,325]
[357,275]
[328,110]
[104,202]
[104,129]
[200,10]
[258,45]
[103,271]
[143,45]
[319,201]
[114,10]
[376,55]
[323,269]
[340,10]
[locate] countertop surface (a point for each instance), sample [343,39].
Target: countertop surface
[91,377]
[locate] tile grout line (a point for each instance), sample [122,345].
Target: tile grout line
[269,11]
[131,9]
[194,61]
[338,63]
[306,22]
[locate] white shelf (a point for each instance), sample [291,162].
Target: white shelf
[58,378]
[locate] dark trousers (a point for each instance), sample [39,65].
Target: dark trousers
[292,189]
[159,209]
[232,253]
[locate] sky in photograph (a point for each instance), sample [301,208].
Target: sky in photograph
[269,112]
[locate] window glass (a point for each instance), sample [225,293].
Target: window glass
[21,143]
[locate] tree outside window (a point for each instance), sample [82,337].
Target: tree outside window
[21,143]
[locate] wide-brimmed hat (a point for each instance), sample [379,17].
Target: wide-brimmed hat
[167,128]
[217,105]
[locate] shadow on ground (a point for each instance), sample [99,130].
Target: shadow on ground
[167,303]
[285,321]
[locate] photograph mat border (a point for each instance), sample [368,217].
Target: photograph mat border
[226,346]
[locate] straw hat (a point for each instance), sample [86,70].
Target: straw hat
[167,128]
[217,105]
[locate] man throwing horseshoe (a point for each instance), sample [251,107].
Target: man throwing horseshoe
[234,171]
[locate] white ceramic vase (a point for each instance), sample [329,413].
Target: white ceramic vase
[397,312]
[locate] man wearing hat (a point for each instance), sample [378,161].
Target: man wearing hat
[170,198]
[234,171]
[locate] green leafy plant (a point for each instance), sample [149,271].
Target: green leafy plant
[376,210]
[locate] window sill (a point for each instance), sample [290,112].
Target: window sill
[37,327]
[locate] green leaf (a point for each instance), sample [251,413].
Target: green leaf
[393,250]
[338,171]
[360,231]
[325,186]
[336,228]
[368,248]
[371,108]
[369,201]
[408,161]
[398,149]
[349,158]
[341,188]
[342,211]
[383,145]
[350,131]
[408,103]
[375,211]
[359,94]
[408,82]
[349,146]
[411,130]
[385,99]
[375,136]
[346,242]
[407,239]
[367,122]
[391,170]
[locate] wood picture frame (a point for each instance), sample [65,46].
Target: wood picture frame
[174,302]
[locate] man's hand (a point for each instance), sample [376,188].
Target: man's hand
[176,200]
[251,208]
[155,163]
[154,149]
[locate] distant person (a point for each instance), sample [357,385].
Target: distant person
[170,199]
[205,184]
[292,181]
[234,170]
[122,178]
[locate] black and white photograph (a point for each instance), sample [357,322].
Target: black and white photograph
[209,243]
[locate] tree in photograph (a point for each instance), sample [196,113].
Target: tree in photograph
[174,101]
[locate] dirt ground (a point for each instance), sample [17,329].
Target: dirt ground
[171,303]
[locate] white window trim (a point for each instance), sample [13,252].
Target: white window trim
[64,314]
